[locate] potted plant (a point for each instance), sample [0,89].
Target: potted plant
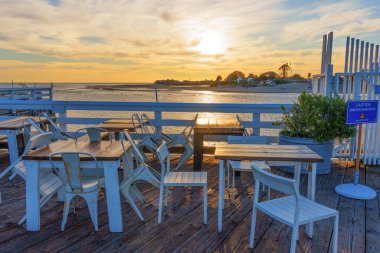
[316,121]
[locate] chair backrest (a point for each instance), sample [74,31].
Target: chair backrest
[136,151]
[148,125]
[247,131]
[94,133]
[71,161]
[163,155]
[31,122]
[38,141]
[138,126]
[247,139]
[279,183]
[57,132]
[189,129]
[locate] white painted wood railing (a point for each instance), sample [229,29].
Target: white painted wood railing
[26,93]
[157,108]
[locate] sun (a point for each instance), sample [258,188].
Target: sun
[211,43]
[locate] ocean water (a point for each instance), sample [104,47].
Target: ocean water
[81,92]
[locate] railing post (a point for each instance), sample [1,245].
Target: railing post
[158,119]
[256,118]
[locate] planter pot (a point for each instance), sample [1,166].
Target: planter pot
[324,149]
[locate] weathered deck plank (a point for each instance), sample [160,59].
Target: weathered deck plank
[182,229]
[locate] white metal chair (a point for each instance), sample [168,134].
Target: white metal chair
[150,129]
[94,133]
[49,182]
[169,178]
[183,139]
[135,174]
[58,133]
[244,166]
[144,137]
[77,185]
[293,210]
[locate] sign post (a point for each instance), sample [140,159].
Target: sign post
[358,113]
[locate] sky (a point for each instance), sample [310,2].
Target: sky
[146,40]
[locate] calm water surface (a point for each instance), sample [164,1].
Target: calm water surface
[80,92]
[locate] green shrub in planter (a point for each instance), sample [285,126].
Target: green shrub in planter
[319,119]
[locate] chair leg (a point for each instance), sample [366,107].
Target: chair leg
[335,234]
[66,209]
[205,205]
[294,239]
[92,203]
[233,186]
[253,226]
[160,204]
[166,195]
[228,178]
[268,193]
[129,199]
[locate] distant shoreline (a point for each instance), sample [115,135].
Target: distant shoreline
[279,88]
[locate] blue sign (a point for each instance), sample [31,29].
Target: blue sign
[362,112]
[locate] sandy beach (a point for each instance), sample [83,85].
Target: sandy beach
[279,88]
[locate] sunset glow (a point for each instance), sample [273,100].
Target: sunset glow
[142,41]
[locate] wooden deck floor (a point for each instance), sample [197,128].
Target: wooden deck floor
[182,229]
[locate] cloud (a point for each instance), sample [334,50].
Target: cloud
[147,36]
[92,40]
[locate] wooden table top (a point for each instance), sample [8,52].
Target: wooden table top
[102,150]
[291,153]
[117,125]
[18,123]
[218,126]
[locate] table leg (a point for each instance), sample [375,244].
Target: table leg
[32,196]
[198,151]
[113,195]
[12,145]
[311,184]
[221,195]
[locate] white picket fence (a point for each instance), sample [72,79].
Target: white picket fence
[358,81]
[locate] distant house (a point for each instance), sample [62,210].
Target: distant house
[250,80]
[267,82]
[241,80]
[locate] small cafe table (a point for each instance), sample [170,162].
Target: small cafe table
[12,128]
[275,155]
[108,155]
[204,127]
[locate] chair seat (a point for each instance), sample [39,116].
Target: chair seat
[283,209]
[88,185]
[246,165]
[186,178]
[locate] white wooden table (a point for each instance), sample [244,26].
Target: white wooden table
[12,128]
[108,155]
[274,155]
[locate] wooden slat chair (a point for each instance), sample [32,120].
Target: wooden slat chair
[135,174]
[183,139]
[244,166]
[293,210]
[58,133]
[77,185]
[93,133]
[169,178]
[49,182]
